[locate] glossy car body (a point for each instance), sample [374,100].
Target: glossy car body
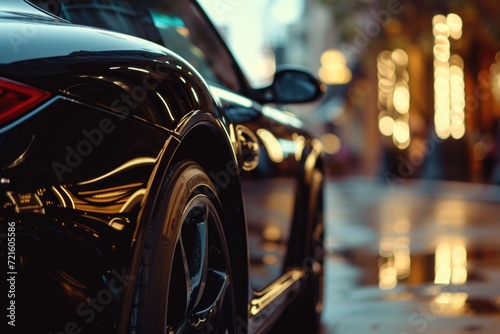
[96,127]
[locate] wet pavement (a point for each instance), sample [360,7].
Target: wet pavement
[413,257]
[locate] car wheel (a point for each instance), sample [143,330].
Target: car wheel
[184,282]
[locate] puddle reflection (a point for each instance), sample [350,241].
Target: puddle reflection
[418,261]
[451,262]
[394,261]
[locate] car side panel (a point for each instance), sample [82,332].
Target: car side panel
[277,158]
[76,174]
[75,197]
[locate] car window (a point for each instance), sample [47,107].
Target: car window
[177,24]
[185,30]
[118,15]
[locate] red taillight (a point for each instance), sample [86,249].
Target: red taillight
[17,98]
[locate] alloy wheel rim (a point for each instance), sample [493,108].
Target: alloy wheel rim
[199,294]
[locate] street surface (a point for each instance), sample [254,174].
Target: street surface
[414,257]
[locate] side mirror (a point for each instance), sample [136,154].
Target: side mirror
[292,85]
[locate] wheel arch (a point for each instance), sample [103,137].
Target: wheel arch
[207,144]
[203,140]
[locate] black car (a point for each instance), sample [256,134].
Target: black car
[145,186]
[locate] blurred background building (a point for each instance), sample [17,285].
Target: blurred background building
[413,87]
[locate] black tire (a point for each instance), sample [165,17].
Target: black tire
[184,282]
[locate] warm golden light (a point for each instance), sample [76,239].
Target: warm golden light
[458,131]
[399,57]
[272,144]
[272,233]
[331,143]
[334,68]
[443,264]
[388,276]
[401,131]
[443,134]
[335,74]
[450,304]
[457,60]
[438,19]
[400,145]
[386,247]
[270,246]
[394,96]
[401,99]
[402,260]
[386,86]
[442,48]
[454,23]
[441,30]
[182,31]
[495,78]
[451,263]
[395,260]
[386,125]
[449,82]
[269,259]
[333,57]
[441,86]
